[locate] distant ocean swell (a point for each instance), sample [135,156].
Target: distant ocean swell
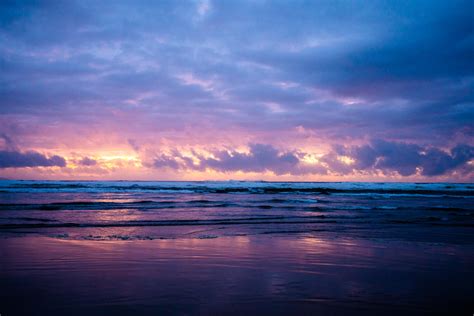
[242,187]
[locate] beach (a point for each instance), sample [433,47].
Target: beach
[233,248]
[236,157]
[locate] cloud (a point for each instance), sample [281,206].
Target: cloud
[15,159]
[437,162]
[203,7]
[86,161]
[134,144]
[260,158]
[203,73]
[12,157]
[407,63]
[164,161]
[402,158]
[7,143]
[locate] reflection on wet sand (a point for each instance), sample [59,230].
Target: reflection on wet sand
[233,275]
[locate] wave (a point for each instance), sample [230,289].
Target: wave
[241,187]
[280,204]
[83,205]
[340,222]
[315,191]
[187,222]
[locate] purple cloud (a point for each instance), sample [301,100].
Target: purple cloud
[261,158]
[134,144]
[12,157]
[86,161]
[7,143]
[15,159]
[405,159]
[340,71]
[403,65]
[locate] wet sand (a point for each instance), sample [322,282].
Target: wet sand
[254,275]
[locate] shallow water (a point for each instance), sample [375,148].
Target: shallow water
[205,248]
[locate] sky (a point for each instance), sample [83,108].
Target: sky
[245,90]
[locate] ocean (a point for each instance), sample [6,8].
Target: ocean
[235,247]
